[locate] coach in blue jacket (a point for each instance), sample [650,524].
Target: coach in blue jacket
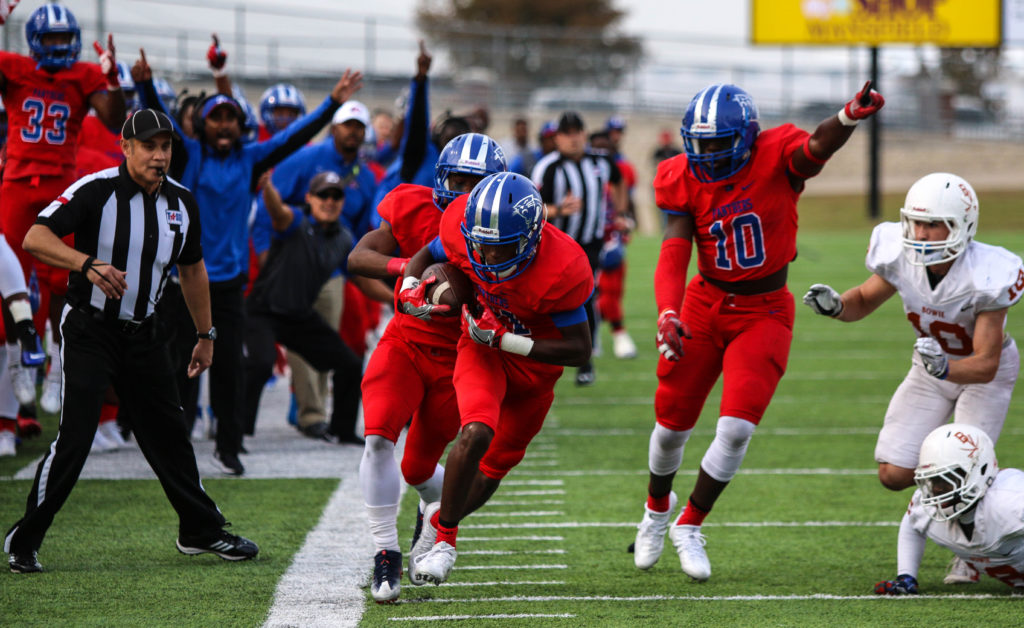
[222,173]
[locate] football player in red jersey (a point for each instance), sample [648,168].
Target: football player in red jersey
[47,95]
[532,282]
[410,372]
[734,194]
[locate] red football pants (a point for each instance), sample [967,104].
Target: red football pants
[611,286]
[403,380]
[508,393]
[745,339]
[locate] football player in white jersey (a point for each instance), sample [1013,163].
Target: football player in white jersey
[965,503]
[955,293]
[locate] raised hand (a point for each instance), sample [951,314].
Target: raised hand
[934,358]
[349,83]
[824,300]
[671,332]
[216,56]
[865,104]
[108,63]
[141,70]
[423,61]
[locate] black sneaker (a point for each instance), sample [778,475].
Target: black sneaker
[585,375]
[387,576]
[318,431]
[228,463]
[223,544]
[24,562]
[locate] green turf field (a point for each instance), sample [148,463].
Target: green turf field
[799,538]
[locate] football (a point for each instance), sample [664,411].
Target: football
[452,288]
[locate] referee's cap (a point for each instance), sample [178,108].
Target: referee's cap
[146,123]
[569,122]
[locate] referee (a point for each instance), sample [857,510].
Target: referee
[130,225]
[573,183]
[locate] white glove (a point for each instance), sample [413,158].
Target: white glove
[934,358]
[824,300]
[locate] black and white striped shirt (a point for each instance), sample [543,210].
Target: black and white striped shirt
[587,179]
[115,220]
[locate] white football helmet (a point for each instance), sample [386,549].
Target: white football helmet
[956,466]
[944,197]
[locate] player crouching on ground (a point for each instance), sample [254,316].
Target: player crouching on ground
[966,504]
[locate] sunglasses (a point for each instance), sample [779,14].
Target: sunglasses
[334,195]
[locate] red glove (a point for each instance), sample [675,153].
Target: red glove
[413,298]
[671,332]
[6,6]
[216,56]
[486,330]
[108,64]
[865,104]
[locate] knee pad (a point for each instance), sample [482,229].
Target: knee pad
[665,451]
[723,458]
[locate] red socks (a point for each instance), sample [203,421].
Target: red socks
[444,533]
[659,504]
[692,515]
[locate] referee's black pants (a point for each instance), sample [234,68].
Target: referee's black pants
[94,355]
[320,345]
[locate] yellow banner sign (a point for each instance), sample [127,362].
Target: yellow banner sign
[949,23]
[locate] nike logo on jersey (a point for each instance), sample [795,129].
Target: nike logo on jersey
[744,188]
[966,307]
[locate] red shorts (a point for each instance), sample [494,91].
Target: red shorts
[746,339]
[21,200]
[403,380]
[508,393]
[359,315]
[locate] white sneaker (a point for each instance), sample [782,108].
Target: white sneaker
[112,433]
[650,534]
[689,544]
[23,378]
[49,401]
[7,443]
[436,565]
[428,536]
[960,572]
[623,345]
[100,444]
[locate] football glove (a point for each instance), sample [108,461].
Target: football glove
[485,330]
[824,300]
[32,354]
[216,57]
[671,332]
[108,64]
[903,585]
[865,104]
[934,358]
[413,298]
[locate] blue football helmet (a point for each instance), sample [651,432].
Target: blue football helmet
[469,153]
[249,124]
[124,77]
[719,112]
[280,95]
[166,93]
[49,19]
[503,209]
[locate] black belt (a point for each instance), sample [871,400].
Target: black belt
[124,325]
[771,283]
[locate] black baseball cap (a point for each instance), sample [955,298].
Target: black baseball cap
[570,121]
[327,180]
[146,123]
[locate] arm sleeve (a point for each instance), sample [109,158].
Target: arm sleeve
[670,274]
[417,130]
[909,549]
[286,142]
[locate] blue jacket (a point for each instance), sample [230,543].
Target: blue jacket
[223,186]
[292,177]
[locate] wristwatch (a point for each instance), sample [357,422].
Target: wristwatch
[210,335]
